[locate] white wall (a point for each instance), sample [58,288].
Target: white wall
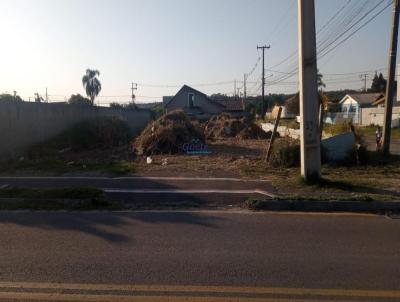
[375,116]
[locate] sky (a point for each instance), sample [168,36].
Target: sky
[162,45]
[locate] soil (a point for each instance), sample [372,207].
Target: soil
[229,158]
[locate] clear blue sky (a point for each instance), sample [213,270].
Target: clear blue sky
[50,43]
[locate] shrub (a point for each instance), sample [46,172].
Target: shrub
[335,129]
[78,100]
[285,154]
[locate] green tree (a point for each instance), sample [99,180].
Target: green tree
[116,105]
[92,84]
[378,83]
[320,81]
[130,106]
[10,98]
[78,100]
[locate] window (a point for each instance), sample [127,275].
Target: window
[191,100]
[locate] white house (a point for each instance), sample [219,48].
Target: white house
[352,104]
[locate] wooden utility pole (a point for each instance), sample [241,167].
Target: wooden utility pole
[387,127]
[133,88]
[364,78]
[273,134]
[309,104]
[263,78]
[244,87]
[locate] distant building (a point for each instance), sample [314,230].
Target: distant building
[197,104]
[352,103]
[380,103]
[166,99]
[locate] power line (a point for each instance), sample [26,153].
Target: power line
[338,33]
[294,71]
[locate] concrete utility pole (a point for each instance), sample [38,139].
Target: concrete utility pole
[263,78]
[387,127]
[364,78]
[133,88]
[309,105]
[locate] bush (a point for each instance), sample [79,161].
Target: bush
[285,154]
[335,129]
[78,100]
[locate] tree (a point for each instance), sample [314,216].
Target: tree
[378,83]
[79,100]
[10,98]
[130,106]
[116,105]
[320,81]
[92,84]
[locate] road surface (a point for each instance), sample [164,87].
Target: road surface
[198,256]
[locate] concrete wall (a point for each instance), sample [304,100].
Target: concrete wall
[282,130]
[375,116]
[23,124]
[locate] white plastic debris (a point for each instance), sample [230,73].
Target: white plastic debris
[165,162]
[149,160]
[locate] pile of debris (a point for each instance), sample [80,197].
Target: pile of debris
[226,126]
[167,135]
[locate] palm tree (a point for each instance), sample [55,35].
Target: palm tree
[92,84]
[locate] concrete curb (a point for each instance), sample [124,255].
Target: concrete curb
[327,206]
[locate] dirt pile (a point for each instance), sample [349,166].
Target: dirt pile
[226,126]
[167,135]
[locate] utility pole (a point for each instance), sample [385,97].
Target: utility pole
[387,127]
[47,96]
[263,78]
[133,88]
[234,88]
[244,87]
[309,105]
[364,78]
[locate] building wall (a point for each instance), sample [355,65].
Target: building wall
[201,103]
[350,103]
[24,124]
[375,116]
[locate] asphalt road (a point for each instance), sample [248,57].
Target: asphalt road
[198,256]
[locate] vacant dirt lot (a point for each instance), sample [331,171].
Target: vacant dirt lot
[229,158]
